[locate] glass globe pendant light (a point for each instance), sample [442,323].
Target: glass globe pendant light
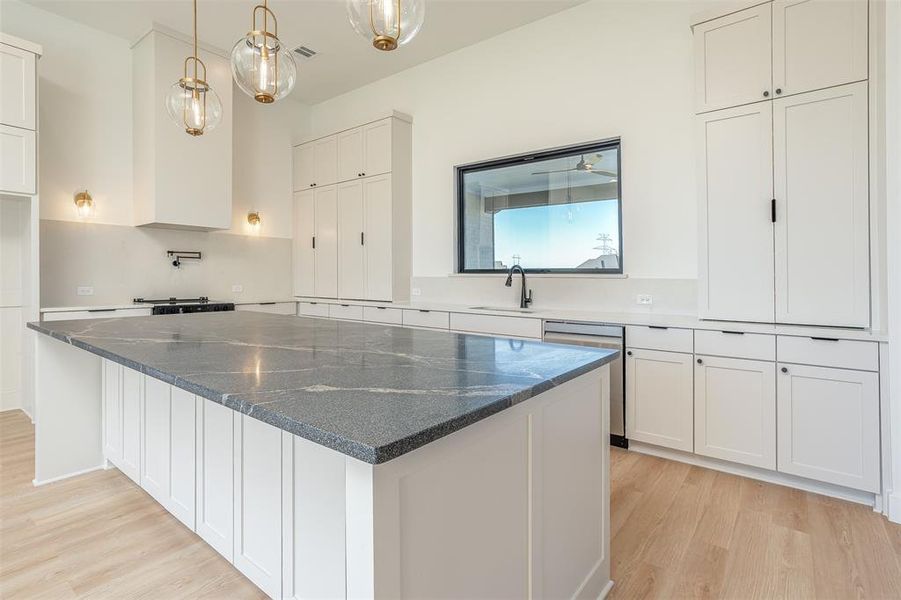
[261,66]
[386,23]
[191,102]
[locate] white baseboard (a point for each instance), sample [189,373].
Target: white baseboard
[792,481]
[606,590]
[894,507]
[37,483]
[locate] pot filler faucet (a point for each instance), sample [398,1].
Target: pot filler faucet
[524,301]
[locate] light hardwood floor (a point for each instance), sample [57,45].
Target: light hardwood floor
[678,532]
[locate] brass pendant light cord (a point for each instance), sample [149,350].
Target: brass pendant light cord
[195,38]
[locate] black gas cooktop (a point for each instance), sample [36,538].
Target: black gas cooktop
[174,306]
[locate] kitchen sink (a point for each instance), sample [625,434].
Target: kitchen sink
[503,309]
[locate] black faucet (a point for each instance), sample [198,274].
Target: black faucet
[524,301]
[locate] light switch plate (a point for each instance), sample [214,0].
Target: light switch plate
[84,290]
[237,288]
[644,299]
[416,292]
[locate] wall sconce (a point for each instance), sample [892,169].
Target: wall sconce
[253,219]
[84,204]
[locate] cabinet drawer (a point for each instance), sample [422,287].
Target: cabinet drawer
[435,319]
[345,311]
[383,314]
[312,309]
[659,338]
[828,352]
[275,308]
[495,325]
[736,344]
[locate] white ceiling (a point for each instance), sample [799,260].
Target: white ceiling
[346,61]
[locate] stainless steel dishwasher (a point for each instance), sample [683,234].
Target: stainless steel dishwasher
[599,335]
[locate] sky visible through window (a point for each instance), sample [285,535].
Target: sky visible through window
[557,236]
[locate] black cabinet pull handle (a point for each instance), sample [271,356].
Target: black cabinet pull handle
[101,310]
[424,310]
[766,94]
[824,339]
[734,332]
[345,305]
[785,369]
[361,238]
[773,210]
[778,90]
[657,327]
[381,307]
[628,353]
[266,303]
[314,242]
[700,362]
[364,174]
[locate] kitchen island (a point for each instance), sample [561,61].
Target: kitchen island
[343,459]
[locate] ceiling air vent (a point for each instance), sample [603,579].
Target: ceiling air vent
[305,53]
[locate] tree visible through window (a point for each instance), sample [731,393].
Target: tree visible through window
[555,211]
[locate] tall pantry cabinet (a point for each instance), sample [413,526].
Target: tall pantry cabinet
[782,158]
[352,212]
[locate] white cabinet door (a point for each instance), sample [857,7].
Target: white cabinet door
[325,251]
[732,57]
[313,522]
[735,176]
[325,161]
[351,268]
[156,431]
[304,232]
[818,44]
[822,217]
[17,160]
[735,410]
[182,484]
[350,154]
[112,412]
[378,239]
[659,398]
[377,148]
[304,166]
[17,87]
[132,409]
[215,475]
[258,503]
[829,425]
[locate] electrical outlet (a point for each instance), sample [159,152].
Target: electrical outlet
[237,288]
[644,299]
[84,290]
[416,292]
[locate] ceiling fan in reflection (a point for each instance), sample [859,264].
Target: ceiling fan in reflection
[583,166]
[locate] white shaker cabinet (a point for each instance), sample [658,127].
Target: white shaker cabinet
[304,232]
[215,444]
[379,254]
[735,410]
[17,160]
[659,398]
[350,154]
[325,161]
[820,145]
[258,503]
[733,59]
[829,425]
[182,432]
[365,151]
[818,44]
[735,176]
[155,424]
[112,411]
[132,399]
[18,87]
[304,167]
[351,238]
[325,244]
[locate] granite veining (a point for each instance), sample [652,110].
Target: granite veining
[373,392]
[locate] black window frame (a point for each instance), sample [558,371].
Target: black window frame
[583,148]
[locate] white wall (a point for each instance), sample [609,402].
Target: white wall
[599,70]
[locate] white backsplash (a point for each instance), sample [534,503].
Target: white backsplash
[669,296]
[121,263]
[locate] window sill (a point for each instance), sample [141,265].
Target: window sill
[549,275]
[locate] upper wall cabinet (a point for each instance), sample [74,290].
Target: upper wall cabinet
[733,59]
[180,181]
[18,122]
[777,49]
[818,44]
[352,154]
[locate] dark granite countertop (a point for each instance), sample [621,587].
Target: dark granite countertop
[370,391]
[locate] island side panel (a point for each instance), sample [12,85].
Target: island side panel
[514,506]
[68,422]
